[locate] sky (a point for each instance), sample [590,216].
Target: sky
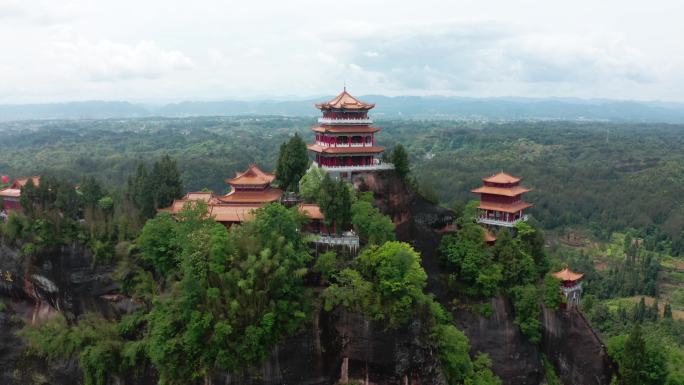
[165,51]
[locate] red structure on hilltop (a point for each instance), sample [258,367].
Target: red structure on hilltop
[345,140]
[12,194]
[571,286]
[501,201]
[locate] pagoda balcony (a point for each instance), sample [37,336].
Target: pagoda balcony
[500,222]
[361,167]
[344,121]
[569,289]
[324,144]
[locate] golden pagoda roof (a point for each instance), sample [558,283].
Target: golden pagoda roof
[252,176]
[505,191]
[225,213]
[344,101]
[502,177]
[489,237]
[568,275]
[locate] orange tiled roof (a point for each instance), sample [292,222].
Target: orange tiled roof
[345,101]
[505,207]
[199,196]
[225,213]
[358,129]
[312,211]
[488,236]
[259,196]
[501,177]
[252,176]
[568,275]
[345,150]
[505,191]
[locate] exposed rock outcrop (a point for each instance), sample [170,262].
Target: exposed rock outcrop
[576,351]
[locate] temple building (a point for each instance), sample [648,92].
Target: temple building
[11,195]
[571,286]
[250,190]
[501,201]
[345,139]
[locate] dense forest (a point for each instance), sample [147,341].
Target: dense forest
[608,202]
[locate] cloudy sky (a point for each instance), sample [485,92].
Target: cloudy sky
[168,50]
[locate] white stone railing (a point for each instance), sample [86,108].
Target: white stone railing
[499,222]
[370,167]
[344,121]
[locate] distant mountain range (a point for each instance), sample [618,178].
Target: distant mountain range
[424,107]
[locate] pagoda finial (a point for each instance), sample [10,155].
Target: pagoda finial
[345,86]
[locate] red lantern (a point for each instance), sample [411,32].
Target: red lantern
[5,179]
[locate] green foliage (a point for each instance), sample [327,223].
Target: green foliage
[386,284]
[552,294]
[310,184]
[371,225]
[667,311]
[454,349]
[157,189]
[293,160]
[239,293]
[399,157]
[159,244]
[465,253]
[550,372]
[639,361]
[335,199]
[327,264]
[527,310]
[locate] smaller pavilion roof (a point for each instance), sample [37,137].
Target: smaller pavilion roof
[10,192]
[505,191]
[21,182]
[311,210]
[252,176]
[224,213]
[504,207]
[502,177]
[568,275]
[489,237]
[260,196]
[344,101]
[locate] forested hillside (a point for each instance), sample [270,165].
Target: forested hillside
[599,177]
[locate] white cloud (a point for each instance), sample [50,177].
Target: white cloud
[108,61]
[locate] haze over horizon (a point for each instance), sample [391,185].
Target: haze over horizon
[169,51]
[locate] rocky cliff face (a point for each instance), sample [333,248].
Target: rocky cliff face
[333,347]
[569,340]
[576,351]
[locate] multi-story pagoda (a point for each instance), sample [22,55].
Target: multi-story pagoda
[501,201]
[571,286]
[345,139]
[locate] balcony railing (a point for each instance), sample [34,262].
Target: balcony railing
[323,144]
[500,222]
[344,121]
[570,289]
[369,167]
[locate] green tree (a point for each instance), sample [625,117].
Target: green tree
[372,226]
[667,312]
[400,160]
[552,294]
[91,190]
[158,243]
[165,182]
[526,305]
[335,199]
[640,362]
[466,254]
[310,184]
[293,160]
[139,192]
